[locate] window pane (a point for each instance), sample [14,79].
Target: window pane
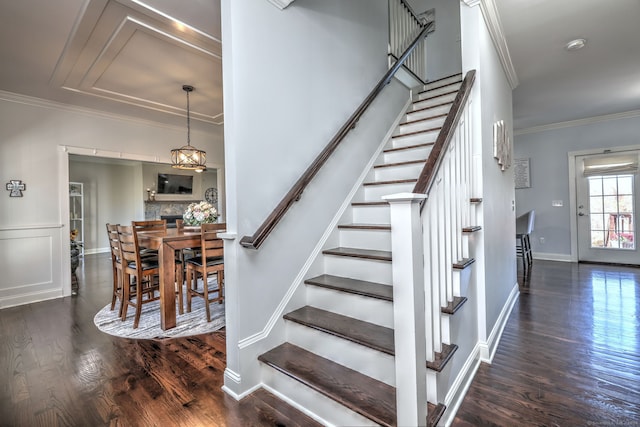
[625,204]
[610,204]
[597,239]
[597,222]
[610,186]
[595,186]
[625,184]
[595,204]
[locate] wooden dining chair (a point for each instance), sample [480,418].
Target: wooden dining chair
[210,261]
[144,273]
[116,265]
[149,225]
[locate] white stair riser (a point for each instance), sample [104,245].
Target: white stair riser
[439,91]
[371,214]
[429,112]
[358,268]
[379,240]
[432,387]
[409,171]
[301,396]
[438,83]
[432,123]
[368,309]
[420,153]
[374,193]
[373,363]
[418,105]
[414,139]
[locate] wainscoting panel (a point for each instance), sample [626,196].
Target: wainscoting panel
[30,264]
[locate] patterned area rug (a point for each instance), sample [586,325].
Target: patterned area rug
[187,324]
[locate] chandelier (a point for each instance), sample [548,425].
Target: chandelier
[188,157]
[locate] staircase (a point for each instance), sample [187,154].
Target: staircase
[338,361]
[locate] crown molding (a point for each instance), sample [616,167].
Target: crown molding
[494,25]
[579,122]
[281,4]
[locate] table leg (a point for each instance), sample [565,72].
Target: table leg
[167,287]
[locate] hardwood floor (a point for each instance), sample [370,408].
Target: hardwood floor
[57,369]
[569,354]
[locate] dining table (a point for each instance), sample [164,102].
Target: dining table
[167,242]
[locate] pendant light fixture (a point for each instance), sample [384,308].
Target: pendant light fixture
[188,157]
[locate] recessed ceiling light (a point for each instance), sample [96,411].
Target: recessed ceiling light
[576,44]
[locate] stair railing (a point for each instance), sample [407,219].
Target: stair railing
[427,244]
[255,241]
[403,24]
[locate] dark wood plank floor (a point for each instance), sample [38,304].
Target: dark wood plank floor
[569,355]
[57,369]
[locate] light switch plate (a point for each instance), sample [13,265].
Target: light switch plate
[557,203]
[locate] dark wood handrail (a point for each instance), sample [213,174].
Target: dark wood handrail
[427,176]
[294,194]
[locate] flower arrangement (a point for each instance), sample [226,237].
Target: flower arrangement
[200,213]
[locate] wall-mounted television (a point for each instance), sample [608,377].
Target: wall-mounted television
[174,184]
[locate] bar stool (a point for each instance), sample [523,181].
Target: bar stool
[524,227]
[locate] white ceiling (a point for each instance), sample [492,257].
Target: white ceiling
[132,57]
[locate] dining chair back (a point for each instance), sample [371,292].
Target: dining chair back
[211,260]
[143,271]
[524,227]
[116,266]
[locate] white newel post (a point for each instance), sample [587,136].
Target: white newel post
[409,308]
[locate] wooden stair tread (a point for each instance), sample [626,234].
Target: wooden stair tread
[368,397]
[360,332]
[436,96]
[359,253]
[353,286]
[434,413]
[429,107]
[359,226]
[454,305]
[408,147]
[442,358]
[463,263]
[412,122]
[395,181]
[378,203]
[471,229]
[444,78]
[409,162]
[418,132]
[439,87]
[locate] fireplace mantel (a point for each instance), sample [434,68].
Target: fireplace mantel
[153,209]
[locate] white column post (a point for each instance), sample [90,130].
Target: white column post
[409,308]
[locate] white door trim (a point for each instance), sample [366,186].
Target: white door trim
[573,189]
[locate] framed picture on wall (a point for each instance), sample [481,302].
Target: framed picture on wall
[521,174]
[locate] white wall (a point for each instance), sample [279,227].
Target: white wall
[32,136]
[292,78]
[443,45]
[498,266]
[548,152]
[109,197]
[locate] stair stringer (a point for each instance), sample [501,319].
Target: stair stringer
[275,331]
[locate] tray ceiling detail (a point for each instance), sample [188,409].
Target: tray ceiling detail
[126,52]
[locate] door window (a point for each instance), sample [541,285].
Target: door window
[611,201]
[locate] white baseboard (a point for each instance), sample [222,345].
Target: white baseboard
[488,349]
[29,298]
[97,251]
[460,386]
[554,257]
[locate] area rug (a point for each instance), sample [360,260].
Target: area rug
[187,324]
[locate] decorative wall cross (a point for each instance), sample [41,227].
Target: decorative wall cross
[16,186]
[501,145]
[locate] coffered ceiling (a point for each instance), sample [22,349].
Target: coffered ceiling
[131,57]
[117,56]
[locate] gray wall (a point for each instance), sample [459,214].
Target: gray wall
[292,78]
[548,152]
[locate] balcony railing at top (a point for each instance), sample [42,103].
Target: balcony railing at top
[404,25]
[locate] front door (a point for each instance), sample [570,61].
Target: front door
[607,202]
